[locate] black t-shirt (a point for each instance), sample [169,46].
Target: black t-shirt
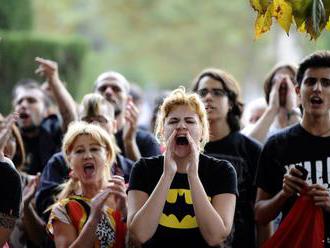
[146,142]
[243,153]
[178,226]
[295,146]
[10,190]
[40,149]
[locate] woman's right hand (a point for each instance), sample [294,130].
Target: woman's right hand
[98,202]
[170,166]
[274,96]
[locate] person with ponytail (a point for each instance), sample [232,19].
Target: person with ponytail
[92,206]
[220,93]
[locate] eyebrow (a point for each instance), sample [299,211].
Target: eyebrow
[185,118]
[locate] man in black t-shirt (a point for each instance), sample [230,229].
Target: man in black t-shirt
[305,144]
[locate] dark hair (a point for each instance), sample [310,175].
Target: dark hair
[317,59]
[268,83]
[232,89]
[30,84]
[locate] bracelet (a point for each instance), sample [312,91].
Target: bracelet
[293,112]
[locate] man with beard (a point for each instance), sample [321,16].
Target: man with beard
[132,141]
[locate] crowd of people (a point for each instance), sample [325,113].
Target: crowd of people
[215,173]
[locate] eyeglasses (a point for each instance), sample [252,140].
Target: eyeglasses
[325,82]
[214,92]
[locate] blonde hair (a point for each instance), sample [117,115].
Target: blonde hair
[91,104]
[75,130]
[176,98]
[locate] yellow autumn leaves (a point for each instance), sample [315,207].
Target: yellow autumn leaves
[310,16]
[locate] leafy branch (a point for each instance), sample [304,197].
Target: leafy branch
[309,16]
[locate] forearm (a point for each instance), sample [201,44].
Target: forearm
[264,232]
[267,210]
[211,224]
[34,226]
[261,128]
[131,150]
[64,100]
[87,237]
[145,221]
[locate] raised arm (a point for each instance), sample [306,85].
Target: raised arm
[144,211]
[260,130]
[129,133]
[63,98]
[215,218]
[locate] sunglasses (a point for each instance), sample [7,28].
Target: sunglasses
[213,92]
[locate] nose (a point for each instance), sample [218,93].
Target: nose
[108,91]
[181,125]
[317,86]
[87,154]
[208,95]
[23,103]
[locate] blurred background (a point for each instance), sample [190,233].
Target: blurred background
[155,44]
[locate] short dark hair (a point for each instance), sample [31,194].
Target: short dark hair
[268,83]
[230,85]
[317,59]
[30,84]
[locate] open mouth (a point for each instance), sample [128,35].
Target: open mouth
[23,115]
[89,169]
[182,140]
[316,100]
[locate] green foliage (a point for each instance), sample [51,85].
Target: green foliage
[18,51]
[16,15]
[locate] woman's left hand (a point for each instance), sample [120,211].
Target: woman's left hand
[192,168]
[118,190]
[5,131]
[320,195]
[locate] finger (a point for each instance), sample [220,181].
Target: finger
[117,189]
[134,109]
[117,182]
[292,184]
[192,142]
[102,196]
[118,179]
[47,64]
[119,193]
[171,139]
[39,71]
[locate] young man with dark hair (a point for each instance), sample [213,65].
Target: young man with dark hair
[305,144]
[221,96]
